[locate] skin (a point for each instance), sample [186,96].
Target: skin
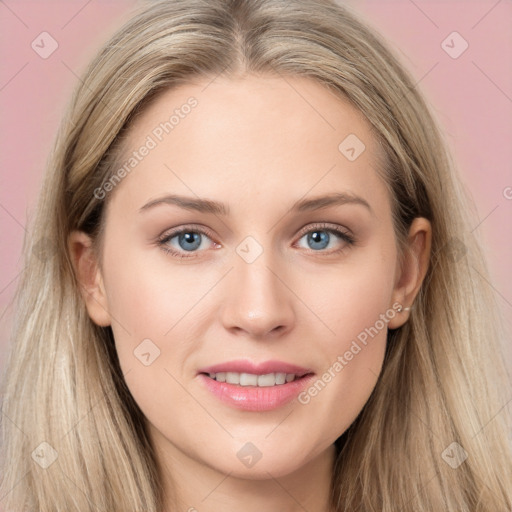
[258,144]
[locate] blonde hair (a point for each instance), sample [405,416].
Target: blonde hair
[442,374]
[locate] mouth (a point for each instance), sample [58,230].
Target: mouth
[255,387]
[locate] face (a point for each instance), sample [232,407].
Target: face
[249,271]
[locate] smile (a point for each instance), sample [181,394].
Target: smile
[255,387]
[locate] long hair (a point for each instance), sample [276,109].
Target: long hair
[73,437]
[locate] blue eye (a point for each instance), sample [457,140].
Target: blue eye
[319,239]
[187,240]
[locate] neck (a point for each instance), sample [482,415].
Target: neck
[192,486]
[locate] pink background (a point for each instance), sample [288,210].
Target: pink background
[472,96]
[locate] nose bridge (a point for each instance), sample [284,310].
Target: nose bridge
[257,301]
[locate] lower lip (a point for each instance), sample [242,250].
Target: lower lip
[253,398]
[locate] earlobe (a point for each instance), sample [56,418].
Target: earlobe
[89,277]
[414,268]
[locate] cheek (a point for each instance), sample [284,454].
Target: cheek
[154,309]
[350,297]
[145,308]
[354,305]
[147,297]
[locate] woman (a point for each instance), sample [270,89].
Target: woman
[262,289]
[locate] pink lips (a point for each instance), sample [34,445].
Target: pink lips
[244,366]
[254,398]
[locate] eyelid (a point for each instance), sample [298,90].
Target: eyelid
[170,233]
[326,226]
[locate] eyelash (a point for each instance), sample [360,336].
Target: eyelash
[328,228]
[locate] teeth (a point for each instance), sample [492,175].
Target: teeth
[250,379]
[281,378]
[232,378]
[267,380]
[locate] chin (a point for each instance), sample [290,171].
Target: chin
[261,459]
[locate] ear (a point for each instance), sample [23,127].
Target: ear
[89,276]
[414,267]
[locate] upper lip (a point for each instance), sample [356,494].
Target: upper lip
[262,368]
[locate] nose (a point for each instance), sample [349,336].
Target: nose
[258,302]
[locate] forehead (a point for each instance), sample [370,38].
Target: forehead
[260,136]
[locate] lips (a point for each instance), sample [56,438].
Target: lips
[252,386]
[266,367]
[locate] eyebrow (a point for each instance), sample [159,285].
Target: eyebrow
[217,208]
